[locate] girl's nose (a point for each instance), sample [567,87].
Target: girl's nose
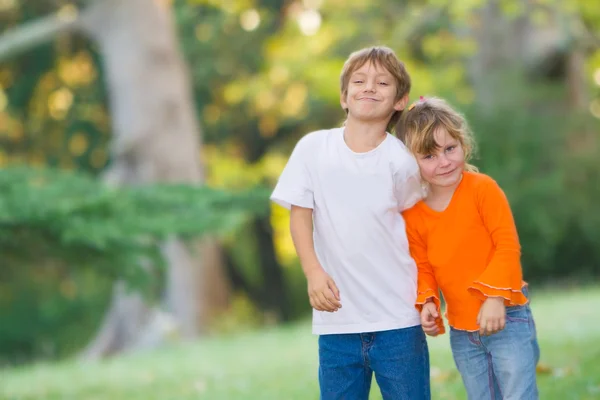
[444,161]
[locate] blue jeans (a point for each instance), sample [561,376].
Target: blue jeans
[500,366]
[399,358]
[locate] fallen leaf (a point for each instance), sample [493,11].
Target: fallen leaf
[440,376]
[542,368]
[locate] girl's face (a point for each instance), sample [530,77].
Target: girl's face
[444,167]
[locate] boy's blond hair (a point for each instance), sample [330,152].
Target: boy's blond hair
[418,124]
[384,57]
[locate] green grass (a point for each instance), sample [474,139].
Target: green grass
[281,363]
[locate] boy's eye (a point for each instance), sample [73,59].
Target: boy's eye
[358,81]
[428,157]
[383,83]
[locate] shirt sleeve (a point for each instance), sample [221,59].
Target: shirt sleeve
[407,185]
[503,276]
[294,186]
[427,286]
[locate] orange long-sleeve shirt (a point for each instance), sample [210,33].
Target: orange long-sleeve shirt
[469,251]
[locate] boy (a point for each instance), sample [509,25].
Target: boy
[345,188]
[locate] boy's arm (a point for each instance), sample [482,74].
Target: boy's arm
[294,186]
[294,190]
[322,290]
[503,276]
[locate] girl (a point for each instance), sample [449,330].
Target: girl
[464,241]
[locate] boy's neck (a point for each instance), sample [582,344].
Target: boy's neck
[362,136]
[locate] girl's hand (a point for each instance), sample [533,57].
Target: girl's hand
[429,316]
[492,316]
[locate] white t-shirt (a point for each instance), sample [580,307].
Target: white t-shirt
[359,233]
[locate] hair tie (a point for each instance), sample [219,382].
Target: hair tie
[421,99]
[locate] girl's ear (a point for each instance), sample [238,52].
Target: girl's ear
[425,187]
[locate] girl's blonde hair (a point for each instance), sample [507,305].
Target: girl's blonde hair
[418,124]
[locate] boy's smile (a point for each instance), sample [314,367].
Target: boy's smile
[371,94]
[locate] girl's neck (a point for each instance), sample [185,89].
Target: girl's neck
[439,197]
[361,137]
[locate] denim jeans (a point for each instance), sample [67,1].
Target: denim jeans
[399,358]
[500,366]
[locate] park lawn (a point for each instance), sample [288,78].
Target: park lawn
[281,363]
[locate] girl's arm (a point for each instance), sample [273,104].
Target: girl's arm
[502,276]
[427,286]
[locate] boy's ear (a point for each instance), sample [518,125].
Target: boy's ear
[343,101]
[401,104]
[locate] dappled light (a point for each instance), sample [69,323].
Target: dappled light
[140,142]
[250,20]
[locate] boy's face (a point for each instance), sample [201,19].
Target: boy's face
[372,94]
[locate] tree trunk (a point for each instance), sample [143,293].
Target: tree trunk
[156,139]
[576,83]
[547,51]
[274,299]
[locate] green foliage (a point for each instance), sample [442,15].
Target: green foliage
[49,310]
[64,214]
[257,90]
[65,237]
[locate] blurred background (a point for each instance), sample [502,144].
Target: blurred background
[139,141]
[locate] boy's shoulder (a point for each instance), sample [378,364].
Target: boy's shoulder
[397,145]
[316,137]
[312,143]
[400,157]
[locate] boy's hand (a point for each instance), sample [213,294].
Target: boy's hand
[492,316]
[322,291]
[429,316]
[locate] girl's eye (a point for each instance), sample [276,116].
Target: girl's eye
[451,148]
[428,157]
[358,81]
[383,83]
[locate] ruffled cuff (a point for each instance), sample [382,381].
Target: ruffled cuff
[440,324]
[512,296]
[422,299]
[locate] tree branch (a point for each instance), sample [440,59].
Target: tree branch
[29,35]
